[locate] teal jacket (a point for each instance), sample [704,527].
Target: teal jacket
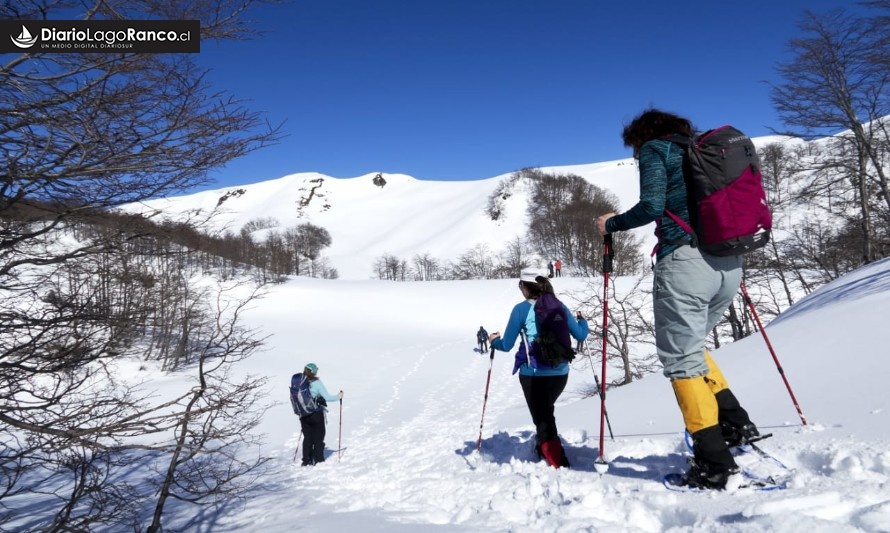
[662,186]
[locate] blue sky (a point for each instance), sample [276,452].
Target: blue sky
[470,89]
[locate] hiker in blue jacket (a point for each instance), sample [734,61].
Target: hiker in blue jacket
[541,383]
[692,289]
[579,346]
[313,425]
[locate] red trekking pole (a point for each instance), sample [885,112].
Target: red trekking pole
[769,345]
[596,380]
[600,465]
[485,400]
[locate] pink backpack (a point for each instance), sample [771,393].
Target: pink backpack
[727,203]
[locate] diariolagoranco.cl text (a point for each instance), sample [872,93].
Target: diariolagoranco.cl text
[113,36]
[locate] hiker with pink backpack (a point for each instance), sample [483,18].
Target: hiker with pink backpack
[704,194]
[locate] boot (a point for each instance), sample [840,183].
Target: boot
[735,424]
[700,477]
[710,452]
[700,414]
[554,454]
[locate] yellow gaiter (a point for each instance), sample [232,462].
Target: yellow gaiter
[697,403]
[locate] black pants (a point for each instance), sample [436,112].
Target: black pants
[541,393]
[313,437]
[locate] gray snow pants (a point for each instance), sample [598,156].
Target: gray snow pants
[691,292]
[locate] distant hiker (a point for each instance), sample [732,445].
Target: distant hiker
[312,423]
[482,339]
[541,382]
[549,269]
[692,290]
[558,266]
[579,346]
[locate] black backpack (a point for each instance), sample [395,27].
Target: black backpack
[727,203]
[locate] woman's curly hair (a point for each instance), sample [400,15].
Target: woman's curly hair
[654,124]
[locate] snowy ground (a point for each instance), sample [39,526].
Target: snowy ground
[403,354]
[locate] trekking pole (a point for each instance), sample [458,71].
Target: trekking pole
[769,345]
[600,465]
[485,400]
[597,380]
[340,432]
[298,446]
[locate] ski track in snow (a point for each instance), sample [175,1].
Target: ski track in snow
[422,469]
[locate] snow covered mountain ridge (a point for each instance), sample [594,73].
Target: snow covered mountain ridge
[404,217]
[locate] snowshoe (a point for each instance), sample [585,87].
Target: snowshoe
[700,478]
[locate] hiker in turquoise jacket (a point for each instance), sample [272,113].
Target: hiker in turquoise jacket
[313,424]
[541,383]
[691,291]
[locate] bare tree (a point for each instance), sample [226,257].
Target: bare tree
[562,210]
[426,267]
[305,242]
[516,255]
[834,84]
[390,267]
[322,268]
[476,263]
[82,134]
[780,167]
[631,331]
[261,223]
[210,458]
[775,161]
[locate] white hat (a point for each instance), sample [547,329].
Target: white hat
[529,274]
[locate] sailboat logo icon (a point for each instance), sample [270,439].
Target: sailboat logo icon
[24,40]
